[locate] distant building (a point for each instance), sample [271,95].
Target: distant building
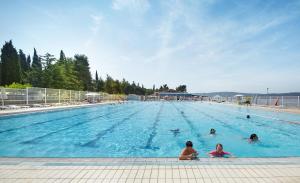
[175,96]
[178,94]
[217,98]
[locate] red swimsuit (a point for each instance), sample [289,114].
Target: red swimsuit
[217,154]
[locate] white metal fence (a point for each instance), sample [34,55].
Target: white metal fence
[28,96]
[281,101]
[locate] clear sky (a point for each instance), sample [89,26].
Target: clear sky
[209,45]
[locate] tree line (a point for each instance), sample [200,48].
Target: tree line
[71,73]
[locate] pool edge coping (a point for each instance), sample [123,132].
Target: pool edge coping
[147,161]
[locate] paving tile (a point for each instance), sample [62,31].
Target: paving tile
[153,181]
[177,171]
[147,174]
[207,180]
[145,180]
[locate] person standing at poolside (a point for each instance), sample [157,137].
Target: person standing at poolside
[188,153]
[219,152]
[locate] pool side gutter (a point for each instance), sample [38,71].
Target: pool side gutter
[148,161]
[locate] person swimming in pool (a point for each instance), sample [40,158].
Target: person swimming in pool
[188,153]
[212,132]
[219,152]
[175,131]
[248,116]
[253,138]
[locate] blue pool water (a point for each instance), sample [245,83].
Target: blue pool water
[143,129]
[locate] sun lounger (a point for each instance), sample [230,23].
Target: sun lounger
[3,107]
[37,105]
[13,107]
[25,106]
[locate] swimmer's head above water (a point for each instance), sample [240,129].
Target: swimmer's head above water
[212,131]
[189,144]
[253,137]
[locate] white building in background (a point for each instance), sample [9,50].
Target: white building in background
[217,98]
[239,98]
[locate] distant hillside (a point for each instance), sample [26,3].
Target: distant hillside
[231,94]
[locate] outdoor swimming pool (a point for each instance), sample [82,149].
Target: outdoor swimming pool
[143,129]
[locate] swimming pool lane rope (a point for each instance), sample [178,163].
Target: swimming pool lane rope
[93,142]
[47,121]
[154,130]
[273,118]
[224,124]
[36,139]
[192,127]
[257,122]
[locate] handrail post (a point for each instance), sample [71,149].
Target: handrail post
[78,96]
[282,101]
[298,101]
[59,96]
[26,95]
[45,95]
[2,95]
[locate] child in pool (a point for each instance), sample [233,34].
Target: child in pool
[212,132]
[188,153]
[219,152]
[253,138]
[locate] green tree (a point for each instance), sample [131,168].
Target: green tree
[62,57]
[36,61]
[48,74]
[47,60]
[66,73]
[127,88]
[10,64]
[23,62]
[181,88]
[108,87]
[163,88]
[18,86]
[28,61]
[116,87]
[35,75]
[58,76]
[71,79]
[24,67]
[101,84]
[97,83]
[83,71]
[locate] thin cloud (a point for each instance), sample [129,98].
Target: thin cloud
[96,22]
[133,5]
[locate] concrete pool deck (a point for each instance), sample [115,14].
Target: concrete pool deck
[52,108]
[149,170]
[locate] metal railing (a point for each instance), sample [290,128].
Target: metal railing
[29,96]
[283,101]
[264,100]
